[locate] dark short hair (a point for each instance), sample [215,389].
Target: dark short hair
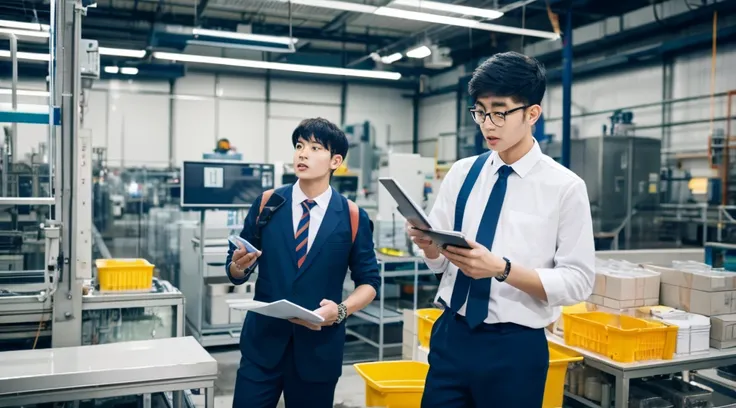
[323,132]
[510,74]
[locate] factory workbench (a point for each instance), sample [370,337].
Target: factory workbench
[624,372]
[107,370]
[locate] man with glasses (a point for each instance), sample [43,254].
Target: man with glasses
[527,219]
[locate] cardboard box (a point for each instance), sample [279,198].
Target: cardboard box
[705,293]
[625,289]
[723,331]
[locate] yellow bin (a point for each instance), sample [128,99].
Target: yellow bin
[619,337]
[425,321]
[400,384]
[124,275]
[393,384]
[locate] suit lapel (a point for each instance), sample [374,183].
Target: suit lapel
[329,223]
[286,225]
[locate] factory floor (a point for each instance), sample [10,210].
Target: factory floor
[350,392]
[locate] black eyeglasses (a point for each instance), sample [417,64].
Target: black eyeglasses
[497,118]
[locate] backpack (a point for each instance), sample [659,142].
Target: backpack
[271,203]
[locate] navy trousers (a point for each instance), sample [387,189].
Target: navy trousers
[258,387]
[501,365]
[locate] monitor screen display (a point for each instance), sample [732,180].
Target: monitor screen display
[223,184]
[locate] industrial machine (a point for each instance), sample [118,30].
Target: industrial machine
[218,194]
[363,157]
[622,177]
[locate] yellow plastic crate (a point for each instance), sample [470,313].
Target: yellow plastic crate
[124,275]
[393,384]
[619,337]
[425,321]
[559,359]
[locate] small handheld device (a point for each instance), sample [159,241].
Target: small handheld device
[448,238]
[237,240]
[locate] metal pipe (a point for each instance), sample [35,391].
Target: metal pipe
[567,90]
[9,150]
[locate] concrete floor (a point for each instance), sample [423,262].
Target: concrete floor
[350,392]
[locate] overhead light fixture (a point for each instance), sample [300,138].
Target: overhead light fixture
[129,71]
[390,59]
[276,66]
[122,52]
[24,26]
[123,70]
[25,92]
[419,52]
[26,56]
[25,33]
[425,17]
[449,8]
[245,36]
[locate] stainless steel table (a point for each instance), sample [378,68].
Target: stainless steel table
[624,372]
[106,370]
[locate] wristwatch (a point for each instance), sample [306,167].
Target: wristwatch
[505,271]
[342,313]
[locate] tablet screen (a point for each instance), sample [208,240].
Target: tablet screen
[407,207]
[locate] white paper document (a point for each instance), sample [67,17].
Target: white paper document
[280,309]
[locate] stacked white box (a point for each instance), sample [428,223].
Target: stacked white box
[693,334]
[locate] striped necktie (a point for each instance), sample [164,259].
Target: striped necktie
[302,232]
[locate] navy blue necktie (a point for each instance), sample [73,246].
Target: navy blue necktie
[480,289]
[302,232]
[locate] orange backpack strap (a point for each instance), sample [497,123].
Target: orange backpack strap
[354,218]
[264,199]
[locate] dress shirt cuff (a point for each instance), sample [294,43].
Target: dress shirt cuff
[437,265]
[553,284]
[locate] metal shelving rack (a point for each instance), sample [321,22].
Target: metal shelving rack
[625,372]
[377,312]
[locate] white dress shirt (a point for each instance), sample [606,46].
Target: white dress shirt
[545,224]
[315,216]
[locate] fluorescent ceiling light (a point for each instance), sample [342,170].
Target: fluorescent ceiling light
[276,66]
[245,36]
[24,92]
[25,33]
[390,59]
[129,71]
[27,56]
[419,52]
[449,8]
[24,26]
[112,70]
[122,52]
[426,17]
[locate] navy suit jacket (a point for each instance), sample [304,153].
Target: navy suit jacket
[318,354]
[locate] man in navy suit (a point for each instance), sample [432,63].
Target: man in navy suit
[308,235]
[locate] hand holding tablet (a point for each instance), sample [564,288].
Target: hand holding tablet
[419,220]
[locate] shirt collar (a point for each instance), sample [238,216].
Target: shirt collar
[523,166]
[322,200]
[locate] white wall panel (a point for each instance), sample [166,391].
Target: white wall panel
[243,123]
[241,87]
[388,111]
[693,78]
[194,128]
[306,92]
[437,116]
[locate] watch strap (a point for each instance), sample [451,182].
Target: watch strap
[342,313]
[506,271]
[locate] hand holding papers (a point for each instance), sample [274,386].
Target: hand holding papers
[419,220]
[281,309]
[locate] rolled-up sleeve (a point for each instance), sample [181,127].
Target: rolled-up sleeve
[572,278]
[363,263]
[249,234]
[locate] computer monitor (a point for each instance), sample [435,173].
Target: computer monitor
[213,184]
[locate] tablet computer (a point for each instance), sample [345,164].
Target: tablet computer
[235,239]
[407,207]
[448,238]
